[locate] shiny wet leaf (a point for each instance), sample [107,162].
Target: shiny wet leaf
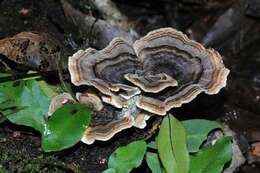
[124,159]
[65,127]
[153,162]
[213,158]
[197,132]
[24,103]
[172,146]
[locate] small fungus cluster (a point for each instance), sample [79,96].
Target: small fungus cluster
[130,83]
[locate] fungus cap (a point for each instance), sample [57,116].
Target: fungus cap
[164,67]
[160,71]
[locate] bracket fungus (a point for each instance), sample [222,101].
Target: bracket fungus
[106,120]
[160,71]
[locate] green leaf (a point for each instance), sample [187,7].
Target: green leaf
[153,162]
[65,127]
[110,170]
[30,101]
[26,103]
[124,159]
[197,132]
[11,90]
[49,90]
[172,146]
[213,158]
[152,144]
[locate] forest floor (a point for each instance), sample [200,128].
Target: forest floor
[232,27]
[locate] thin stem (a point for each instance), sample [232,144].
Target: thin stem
[20,77]
[62,81]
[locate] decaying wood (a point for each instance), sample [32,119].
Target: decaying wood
[111,14]
[99,32]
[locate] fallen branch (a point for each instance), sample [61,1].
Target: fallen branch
[100,30]
[110,13]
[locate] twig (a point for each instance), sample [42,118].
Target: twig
[20,77]
[7,68]
[60,73]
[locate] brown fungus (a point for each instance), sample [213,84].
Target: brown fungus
[105,70]
[160,71]
[58,101]
[91,100]
[106,120]
[164,62]
[195,68]
[106,130]
[152,82]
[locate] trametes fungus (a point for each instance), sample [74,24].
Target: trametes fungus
[160,71]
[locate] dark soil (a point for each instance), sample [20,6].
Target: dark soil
[232,27]
[21,151]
